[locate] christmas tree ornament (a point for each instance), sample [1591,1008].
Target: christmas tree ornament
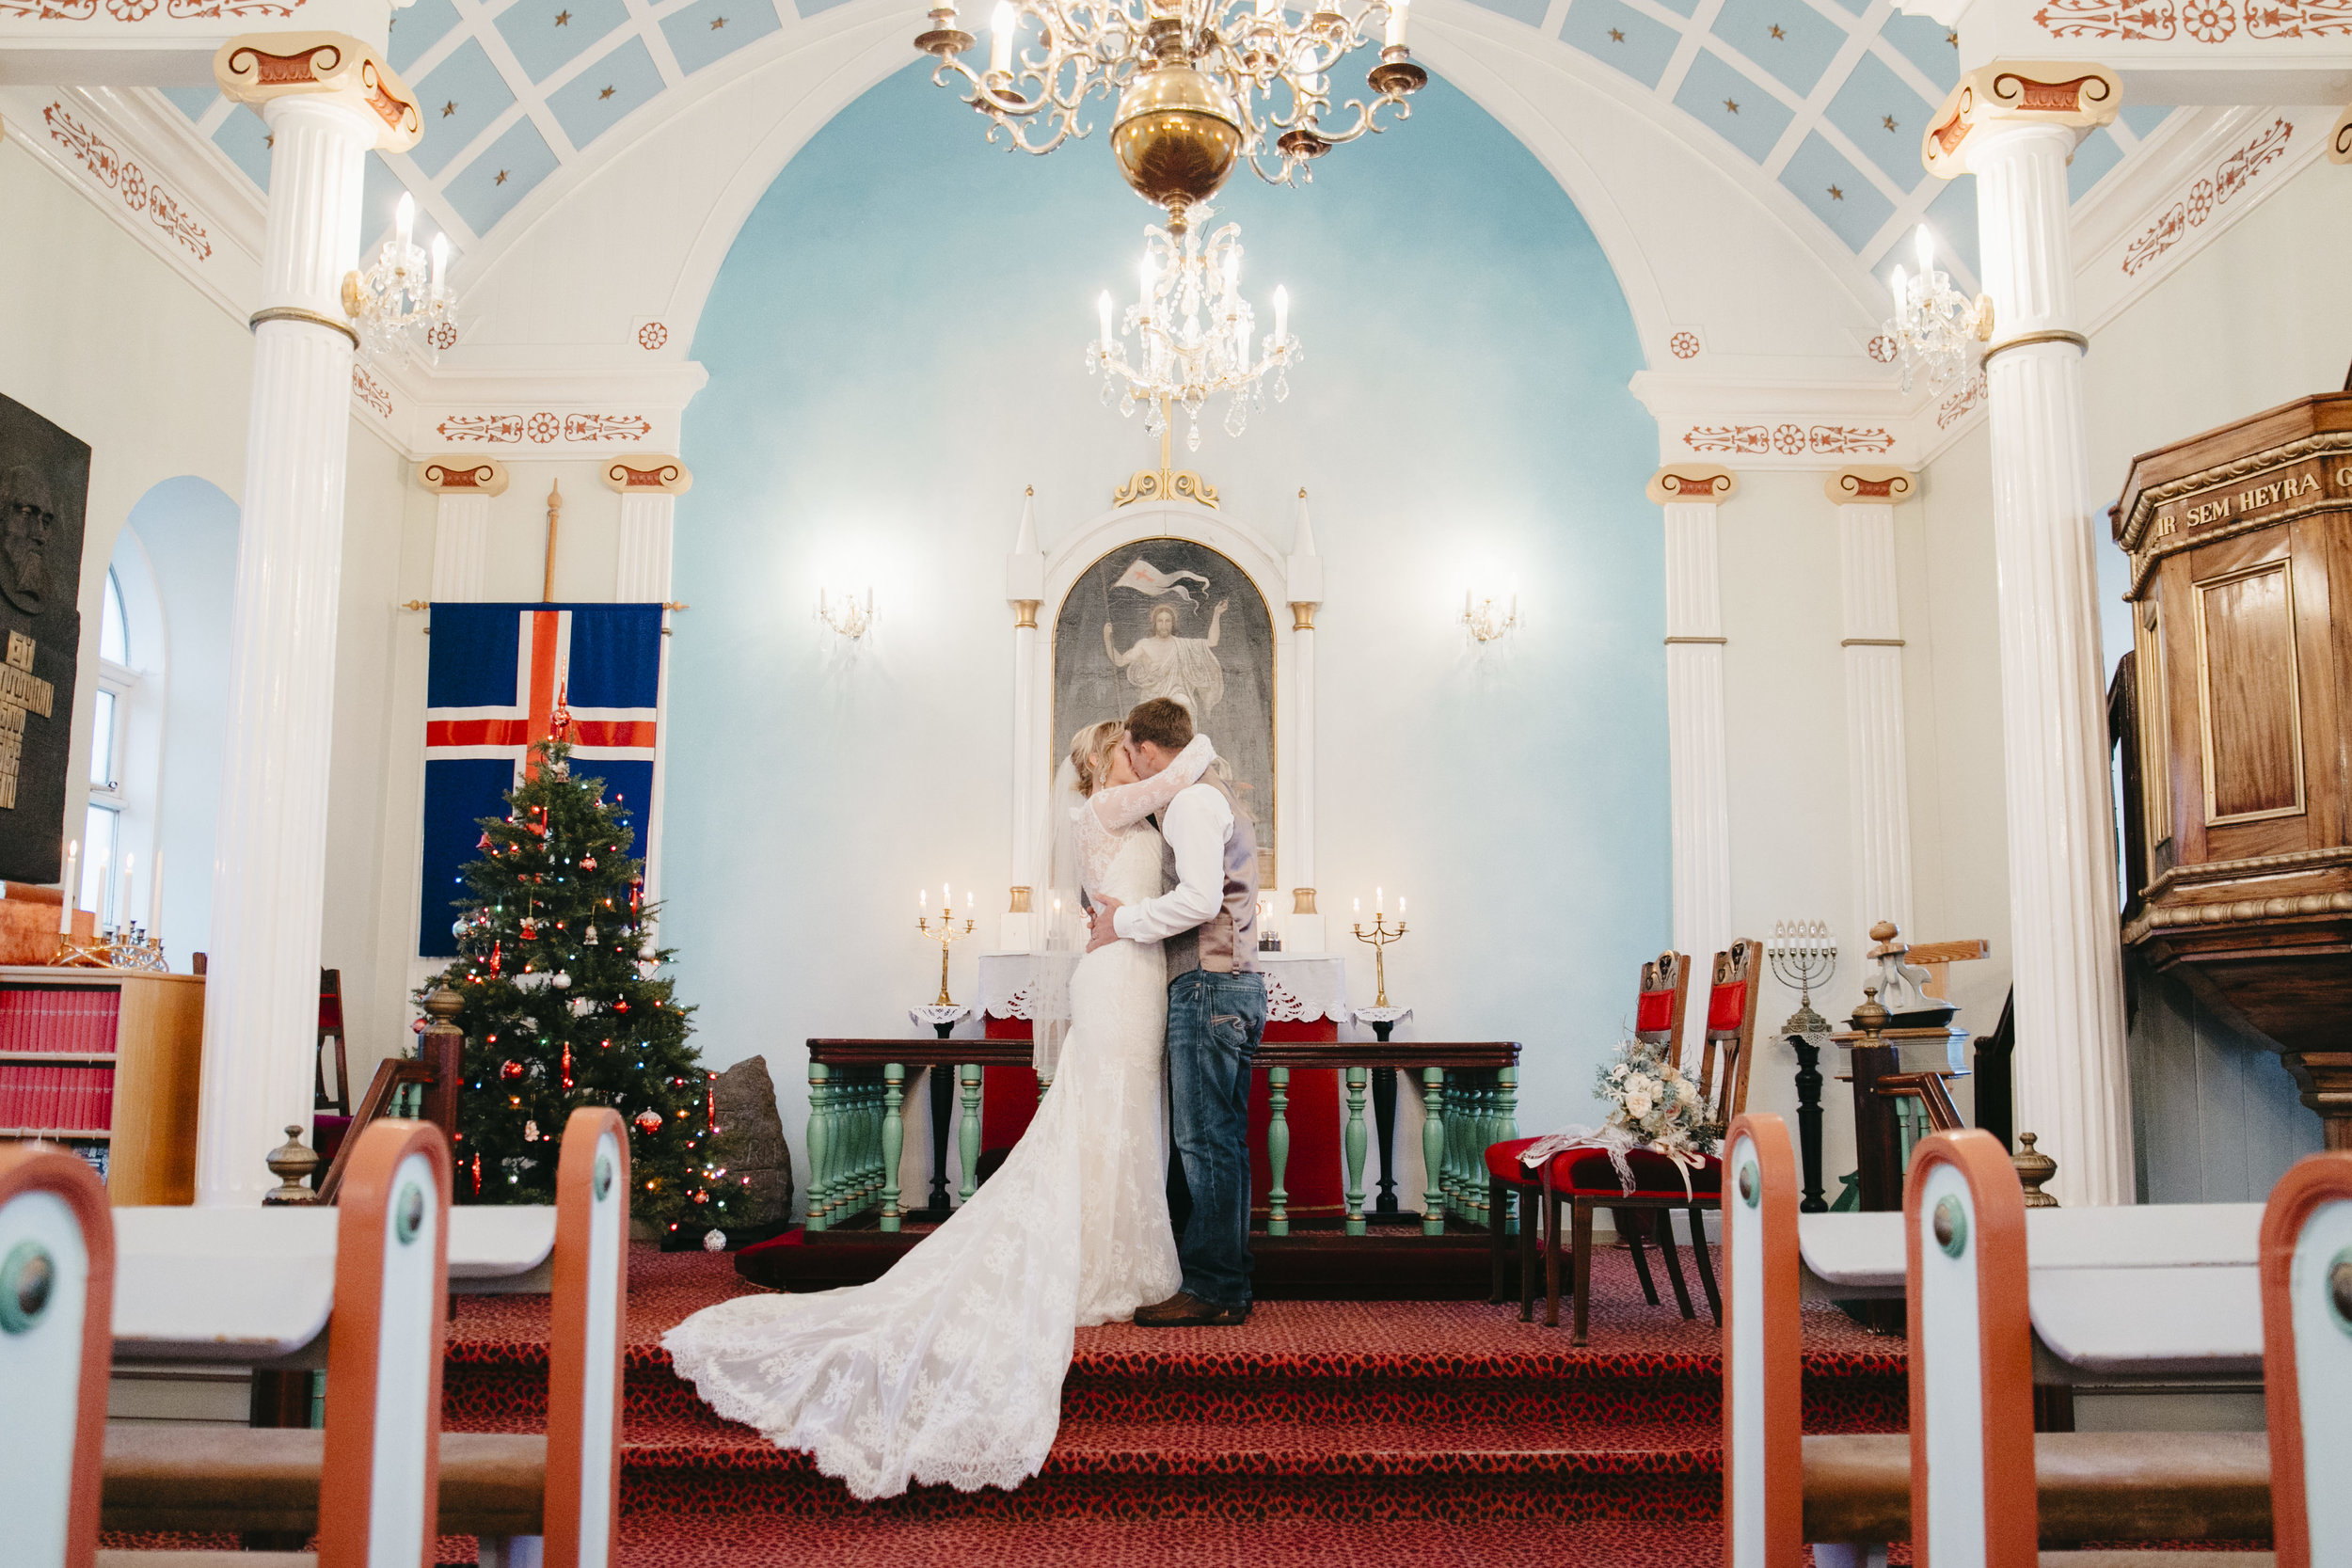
[590,934]
[714,1240]
[457,928]
[530,1132]
[562,980]
[588,862]
[510,1071]
[583,1006]
[649,1122]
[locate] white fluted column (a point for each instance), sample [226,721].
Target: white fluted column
[2014,132]
[648,488]
[1302,928]
[1697,768]
[1035,753]
[1878,786]
[461,524]
[325,105]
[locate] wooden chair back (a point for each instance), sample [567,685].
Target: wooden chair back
[1657,1010]
[1763,1360]
[2307,1357]
[57,1341]
[331,1028]
[1730,1029]
[381,1508]
[1973,1498]
[437,1068]
[590,1307]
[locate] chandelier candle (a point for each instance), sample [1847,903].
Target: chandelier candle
[1193,332]
[1933,325]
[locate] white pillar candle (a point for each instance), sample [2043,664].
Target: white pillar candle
[1281,313]
[155,896]
[1103,306]
[1397,10]
[1000,32]
[404,222]
[70,890]
[122,904]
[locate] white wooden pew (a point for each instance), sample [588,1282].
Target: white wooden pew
[57,1279]
[529,1499]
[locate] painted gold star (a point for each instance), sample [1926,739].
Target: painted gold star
[605,94]
[501,180]
[1732,104]
[449,108]
[1776,32]
[716,22]
[562,19]
[1836,195]
[1952,39]
[269,140]
[1615,36]
[1890,123]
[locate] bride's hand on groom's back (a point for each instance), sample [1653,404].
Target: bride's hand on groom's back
[1100,932]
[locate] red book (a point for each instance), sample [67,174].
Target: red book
[8,1094]
[85,1097]
[106,1098]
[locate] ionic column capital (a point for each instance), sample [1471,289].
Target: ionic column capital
[2068,94]
[261,68]
[1683,484]
[1871,484]
[463,476]
[647,476]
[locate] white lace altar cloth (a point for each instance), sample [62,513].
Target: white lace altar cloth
[1300,988]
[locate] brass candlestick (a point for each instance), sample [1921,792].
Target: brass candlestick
[945,934]
[1379,936]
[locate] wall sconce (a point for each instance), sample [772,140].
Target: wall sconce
[396,294]
[1486,623]
[844,614]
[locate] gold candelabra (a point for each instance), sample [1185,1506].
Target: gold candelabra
[1379,936]
[945,933]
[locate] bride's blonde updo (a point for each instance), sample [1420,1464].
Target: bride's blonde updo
[1090,752]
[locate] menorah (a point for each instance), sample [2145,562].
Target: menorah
[1804,954]
[945,934]
[127,947]
[1379,936]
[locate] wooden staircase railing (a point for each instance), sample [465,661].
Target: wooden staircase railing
[427,1081]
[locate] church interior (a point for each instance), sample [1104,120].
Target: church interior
[1784,750]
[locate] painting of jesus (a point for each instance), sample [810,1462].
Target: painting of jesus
[1173,618]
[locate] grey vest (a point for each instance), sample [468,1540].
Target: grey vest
[1227,943]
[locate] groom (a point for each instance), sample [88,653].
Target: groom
[1207,926]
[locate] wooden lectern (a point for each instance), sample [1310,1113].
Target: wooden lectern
[2239,845]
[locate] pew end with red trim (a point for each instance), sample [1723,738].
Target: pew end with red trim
[56,1305]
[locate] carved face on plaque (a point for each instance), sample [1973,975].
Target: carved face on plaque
[26,515]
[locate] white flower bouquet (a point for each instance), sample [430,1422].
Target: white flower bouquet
[1657,1108]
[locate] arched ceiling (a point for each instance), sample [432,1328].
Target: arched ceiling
[1816,101]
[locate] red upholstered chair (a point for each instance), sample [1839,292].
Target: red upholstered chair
[1657,1021]
[1584,1179]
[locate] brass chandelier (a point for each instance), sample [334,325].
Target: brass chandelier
[1200,83]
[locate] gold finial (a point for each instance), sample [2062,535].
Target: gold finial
[1302,492]
[1030,491]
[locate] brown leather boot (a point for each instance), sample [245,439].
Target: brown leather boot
[1183,1311]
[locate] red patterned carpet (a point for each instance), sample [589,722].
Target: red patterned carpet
[1407,1432]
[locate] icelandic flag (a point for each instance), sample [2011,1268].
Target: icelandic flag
[504,676]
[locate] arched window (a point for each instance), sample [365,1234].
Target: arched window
[102,841]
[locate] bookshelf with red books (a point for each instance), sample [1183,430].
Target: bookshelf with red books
[105,1061]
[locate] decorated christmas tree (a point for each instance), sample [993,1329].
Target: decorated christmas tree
[563,1007]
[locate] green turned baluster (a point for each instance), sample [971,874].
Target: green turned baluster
[870,1190]
[968,1132]
[1507,1129]
[851,1187]
[894,1139]
[1432,1150]
[1473,1136]
[1356,1144]
[1277,1149]
[819,1143]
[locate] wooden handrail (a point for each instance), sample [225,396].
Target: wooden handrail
[437,1066]
[1927,1088]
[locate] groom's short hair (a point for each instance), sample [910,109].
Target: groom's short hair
[1163,723]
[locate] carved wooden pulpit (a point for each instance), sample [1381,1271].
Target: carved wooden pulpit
[2241,866]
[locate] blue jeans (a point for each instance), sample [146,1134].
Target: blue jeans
[1215,1023]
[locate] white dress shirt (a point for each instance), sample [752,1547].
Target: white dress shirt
[1195,825]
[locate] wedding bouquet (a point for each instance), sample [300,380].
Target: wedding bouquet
[1658,1108]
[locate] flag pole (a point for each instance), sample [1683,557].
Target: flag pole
[555,508]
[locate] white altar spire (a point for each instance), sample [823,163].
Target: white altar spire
[1302,928]
[1024,589]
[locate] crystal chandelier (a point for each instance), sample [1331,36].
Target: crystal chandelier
[1200,84]
[1933,324]
[397,295]
[1195,335]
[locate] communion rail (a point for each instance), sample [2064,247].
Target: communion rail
[857,1125]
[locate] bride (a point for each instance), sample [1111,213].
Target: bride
[948,1369]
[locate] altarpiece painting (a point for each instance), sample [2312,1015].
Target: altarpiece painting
[1172,618]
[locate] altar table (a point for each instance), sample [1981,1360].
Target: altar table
[1306,1001]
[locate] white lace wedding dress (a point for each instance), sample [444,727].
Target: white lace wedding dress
[949,1368]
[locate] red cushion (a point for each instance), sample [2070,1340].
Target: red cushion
[1727,1007]
[1502,1161]
[1654,1013]
[1588,1172]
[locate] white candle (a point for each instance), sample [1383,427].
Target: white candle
[1380,900]
[923,899]
[1241,345]
[68,890]
[155,896]
[1400,908]
[122,904]
[1104,307]
[1281,313]
[440,260]
[1000,30]
[967,900]
[1360,906]
[1927,252]
[1143,296]
[1397,22]
[1897,283]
